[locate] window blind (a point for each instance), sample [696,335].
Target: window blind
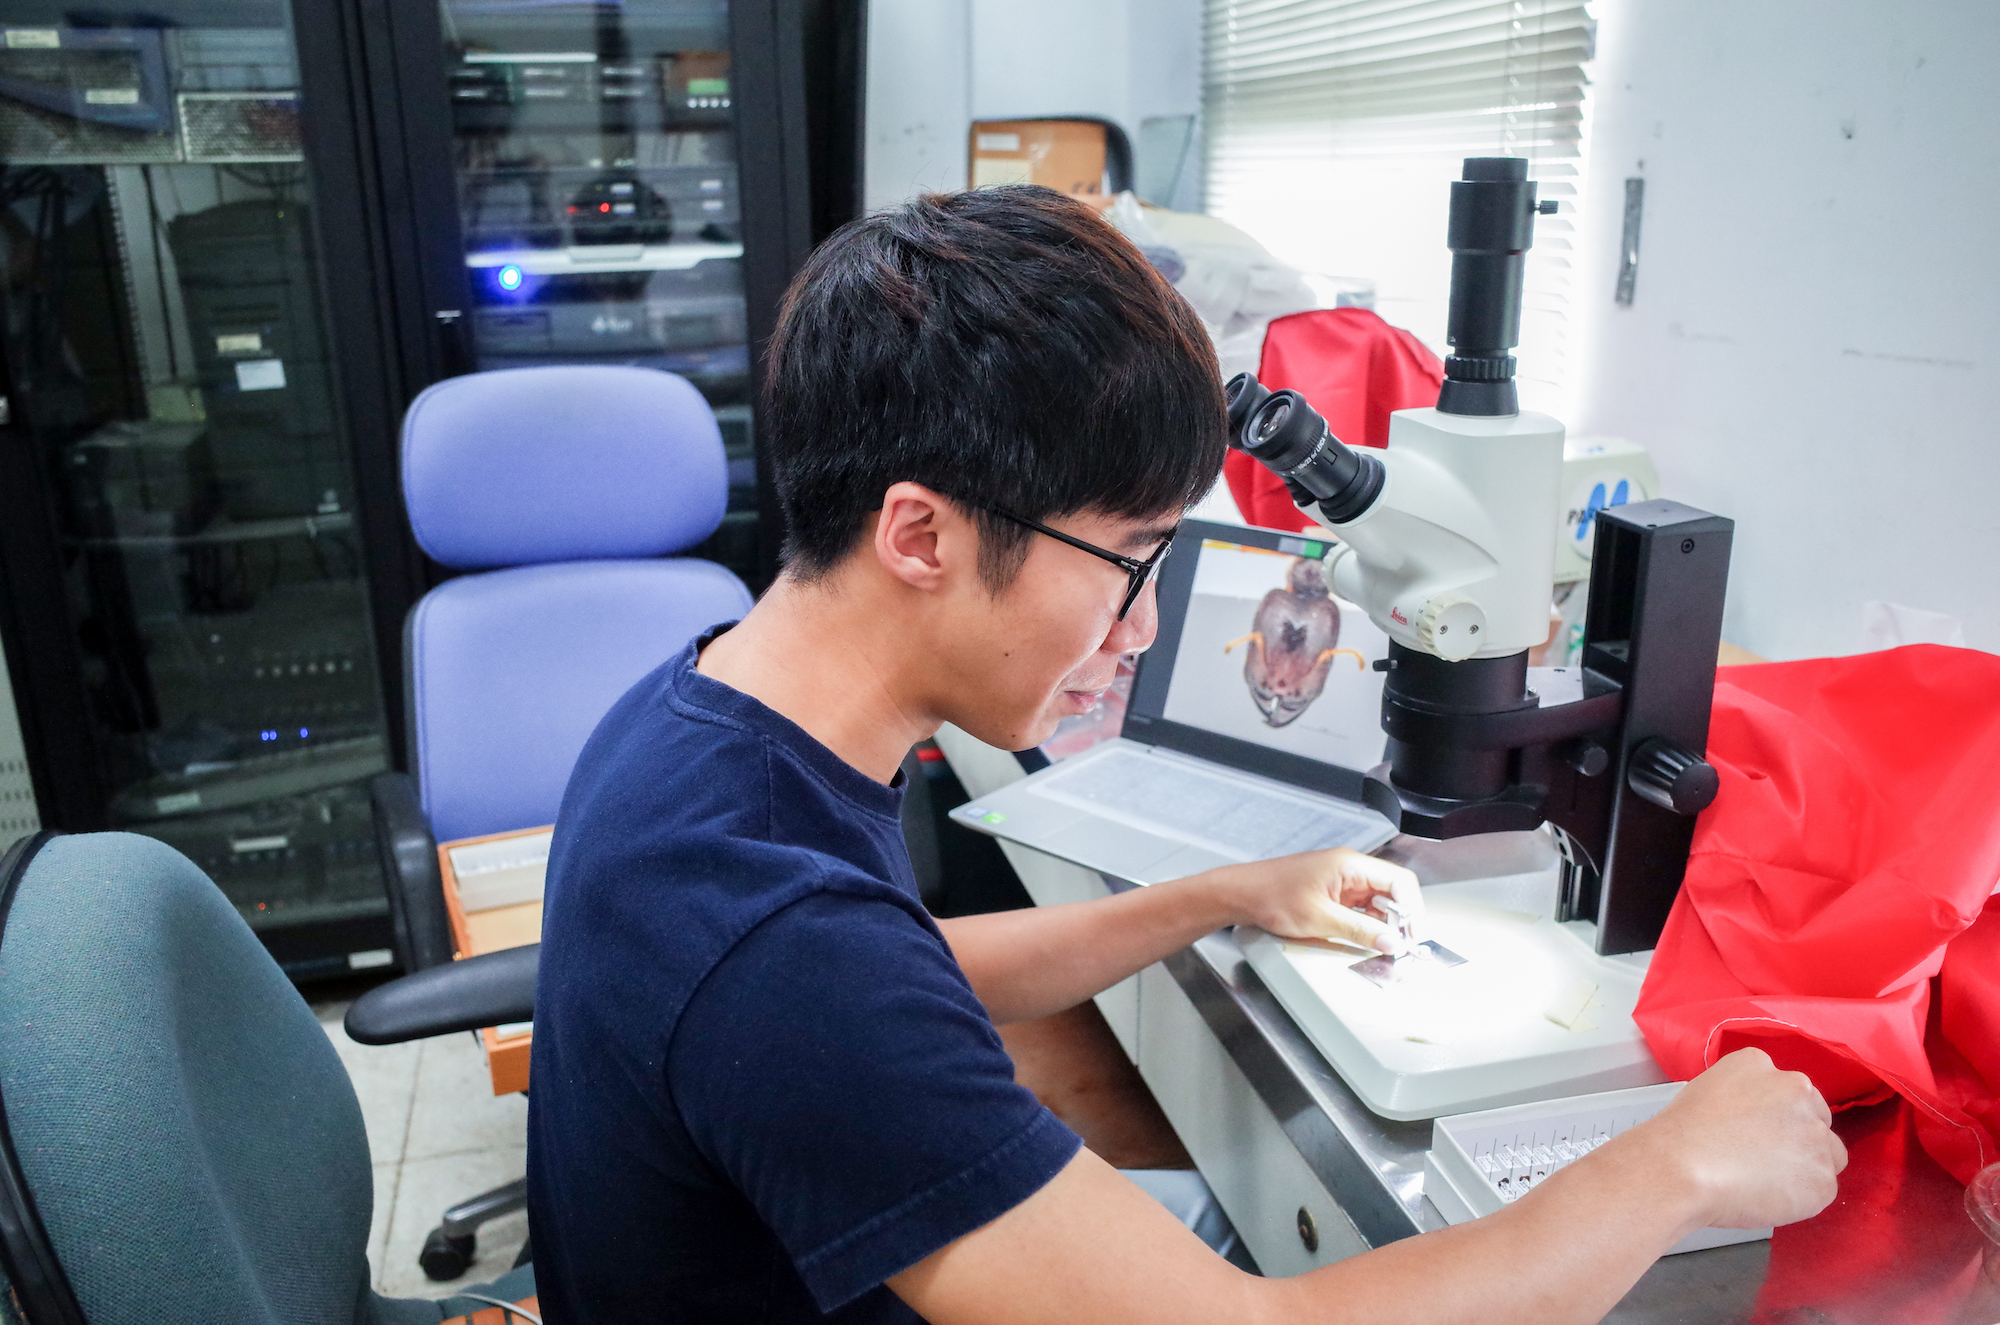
[1333,129]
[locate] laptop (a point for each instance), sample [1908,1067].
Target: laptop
[1250,722]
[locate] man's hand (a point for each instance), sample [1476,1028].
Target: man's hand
[1754,1145]
[1030,963]
[1320,895]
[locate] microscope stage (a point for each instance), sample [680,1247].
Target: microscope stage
[1531,1013]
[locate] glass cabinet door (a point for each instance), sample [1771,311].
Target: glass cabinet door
[166,345]
[596,157]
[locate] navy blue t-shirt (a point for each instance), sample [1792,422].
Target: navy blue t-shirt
[760,1084]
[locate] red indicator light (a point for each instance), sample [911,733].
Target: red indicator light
[603,206]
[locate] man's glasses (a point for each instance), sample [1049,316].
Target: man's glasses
[1138,571]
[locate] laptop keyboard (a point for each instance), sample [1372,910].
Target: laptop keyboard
[1184,802]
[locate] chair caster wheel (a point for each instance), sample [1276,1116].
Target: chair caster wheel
[446,1257]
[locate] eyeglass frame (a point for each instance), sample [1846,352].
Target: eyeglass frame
[1141,572]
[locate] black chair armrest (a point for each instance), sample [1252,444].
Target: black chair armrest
[410,863]
[489,990]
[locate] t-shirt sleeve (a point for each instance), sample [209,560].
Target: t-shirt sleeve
[836,1067]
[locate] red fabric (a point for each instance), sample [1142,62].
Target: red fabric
[1356,370]
[1839,907]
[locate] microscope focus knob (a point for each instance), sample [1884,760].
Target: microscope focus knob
[1671,776]
[1450,626]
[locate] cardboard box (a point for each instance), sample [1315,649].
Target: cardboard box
[493,895]
[1065,155]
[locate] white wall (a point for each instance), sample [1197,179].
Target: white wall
[1813,348]
[936,65]
[919,98]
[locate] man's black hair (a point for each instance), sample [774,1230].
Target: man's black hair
[1004,346]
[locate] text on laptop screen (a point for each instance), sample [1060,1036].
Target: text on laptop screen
[1267,654]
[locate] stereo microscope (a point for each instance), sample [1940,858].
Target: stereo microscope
[1445,544]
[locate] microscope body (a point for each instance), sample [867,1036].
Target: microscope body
[1454,558]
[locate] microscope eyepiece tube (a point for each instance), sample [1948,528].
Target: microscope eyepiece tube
[1287,436]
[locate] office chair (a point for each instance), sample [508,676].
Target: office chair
[178,1139]
[566,489]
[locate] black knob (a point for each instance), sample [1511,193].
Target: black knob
[1671,776]
[1586,756]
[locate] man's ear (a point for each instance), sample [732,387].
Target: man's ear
[921,538]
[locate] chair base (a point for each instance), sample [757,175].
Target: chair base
[453,1245]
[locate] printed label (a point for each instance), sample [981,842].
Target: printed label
[33,39]
[260,375]
[241,342]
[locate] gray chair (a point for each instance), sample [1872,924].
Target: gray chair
[178,1139]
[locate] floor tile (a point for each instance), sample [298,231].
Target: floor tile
[455,1109]
[378,1224]
[427,1186]
[384,1077]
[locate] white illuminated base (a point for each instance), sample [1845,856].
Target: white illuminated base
[1534,1013]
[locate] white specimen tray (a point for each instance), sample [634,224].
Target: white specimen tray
[1532,1014]
[1479,1162]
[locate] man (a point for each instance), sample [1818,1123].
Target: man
[767,1083]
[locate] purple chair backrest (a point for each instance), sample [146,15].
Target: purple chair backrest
[569,487]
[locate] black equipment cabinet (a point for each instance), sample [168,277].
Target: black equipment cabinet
[237,237]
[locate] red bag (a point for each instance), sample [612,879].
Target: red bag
[1356,370]
[1840,907]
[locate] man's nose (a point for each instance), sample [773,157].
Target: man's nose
[1136,632]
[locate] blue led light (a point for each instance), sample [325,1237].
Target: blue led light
[510,277]
[303,733]
[267,735]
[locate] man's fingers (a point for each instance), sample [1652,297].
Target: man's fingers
[1408,896]
[1378,877]
[1350,926]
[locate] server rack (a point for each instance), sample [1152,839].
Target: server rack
[236,238]
[628,182]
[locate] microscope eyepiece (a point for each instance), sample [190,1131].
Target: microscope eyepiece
[1243,394]
[1271,422]
[1287,436]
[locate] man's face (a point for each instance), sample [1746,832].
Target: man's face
[1047,646]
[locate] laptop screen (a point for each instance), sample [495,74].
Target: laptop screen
[1257,665]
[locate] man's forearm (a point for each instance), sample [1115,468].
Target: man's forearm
[1090,1246]
[1038,961]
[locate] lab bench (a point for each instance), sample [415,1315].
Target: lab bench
[1305,1171]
